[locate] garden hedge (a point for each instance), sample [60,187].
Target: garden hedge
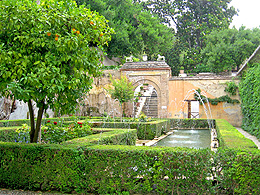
[86,165]
[108,137]
[230,137]
[145,130]
[107,169]
[19,122]
[8,134]
[191,123]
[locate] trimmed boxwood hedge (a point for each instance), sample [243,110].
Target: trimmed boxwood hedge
[8,134]
[145,130]
[108,137]
[230,137]
[19,122]
[86,165]
[107,169]
[190,123]
[104,169]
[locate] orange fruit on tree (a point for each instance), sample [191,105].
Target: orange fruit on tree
[73,29]
[56,35]
[101,34]
[48,34]
[56,38]
[77,32]
[91,22]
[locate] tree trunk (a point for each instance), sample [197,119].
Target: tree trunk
[38,122]
[121,106]
[31,120]
[34,133]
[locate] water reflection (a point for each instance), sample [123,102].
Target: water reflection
[187,138]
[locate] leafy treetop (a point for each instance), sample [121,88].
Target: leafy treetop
[47,52]
[137,30]
[121,89]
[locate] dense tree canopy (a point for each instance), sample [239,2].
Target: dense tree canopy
[46,53]
[137,31]
[226,50]
[193,20]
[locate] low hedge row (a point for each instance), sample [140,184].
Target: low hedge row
[104,169]
[145,130]
[191,123]
[230,137]
[100,136]
[8,134]
[111,169]
[107,137]
[19,122]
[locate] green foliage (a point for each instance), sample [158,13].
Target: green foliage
[214,101]
[58,132]
[230,137]
[92,169]
[107,136]
[193,20]
[145,130]
[81,167]
[138,170]
[122,89]
[249,90]
[239,171]
[227,49]
[48,54]
[15,134]
[137,31]
[189,123]
[231,88]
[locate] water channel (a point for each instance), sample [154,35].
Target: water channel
[187,138]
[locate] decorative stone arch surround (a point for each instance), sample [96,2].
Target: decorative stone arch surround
[150,82]
[154,73]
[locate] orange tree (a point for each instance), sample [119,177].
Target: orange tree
[122,90]
[49,52]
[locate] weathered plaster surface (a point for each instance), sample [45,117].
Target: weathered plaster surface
[183,89]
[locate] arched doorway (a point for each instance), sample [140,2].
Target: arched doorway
[146,101]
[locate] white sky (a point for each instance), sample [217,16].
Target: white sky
[248,15]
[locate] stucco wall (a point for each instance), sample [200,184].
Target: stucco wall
[181,89]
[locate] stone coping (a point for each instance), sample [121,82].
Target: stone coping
[152,142]
[145,65]
[213,146]
[203,78]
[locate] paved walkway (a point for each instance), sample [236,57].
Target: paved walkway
[249,136]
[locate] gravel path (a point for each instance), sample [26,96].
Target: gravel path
[249,136]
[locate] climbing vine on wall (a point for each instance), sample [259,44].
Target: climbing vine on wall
[231,88]
[214,101]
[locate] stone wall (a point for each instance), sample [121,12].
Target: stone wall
[98,102]
[181,89]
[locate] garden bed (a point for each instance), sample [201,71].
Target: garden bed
[92,165]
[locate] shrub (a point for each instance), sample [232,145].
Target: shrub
[249,92]
[230,137]
[58,132]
